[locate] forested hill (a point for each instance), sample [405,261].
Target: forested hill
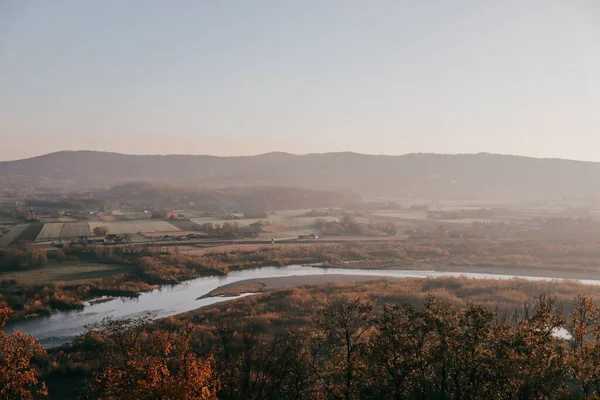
[428,175]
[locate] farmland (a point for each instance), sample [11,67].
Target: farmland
[13,234]
[72,273]
[214,221]
[66,231]
[50,232]
[377,220]
[75,230]
[123,227]
[28,235]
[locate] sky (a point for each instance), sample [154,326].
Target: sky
[248,77]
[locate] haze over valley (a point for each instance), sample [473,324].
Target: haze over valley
[435,176]
[267,200]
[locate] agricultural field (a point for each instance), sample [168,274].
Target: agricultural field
[133,217]
[75,229]
[13,234]
[123,227]
[291,219]
[184,224]
[29,235]
[281,231]
[402,214]
[160,235]
[59,219]
[137,238]
[219,221]
[68,272]
[50,232]
[302,222]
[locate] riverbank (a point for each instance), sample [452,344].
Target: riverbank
[267,284]
[132,272]
[62,327]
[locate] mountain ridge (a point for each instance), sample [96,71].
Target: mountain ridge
[429,175]
[285,153]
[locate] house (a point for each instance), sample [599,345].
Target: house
[234,215]
[32,215]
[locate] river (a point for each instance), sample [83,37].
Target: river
[62,327]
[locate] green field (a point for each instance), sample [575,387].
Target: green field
[67,272]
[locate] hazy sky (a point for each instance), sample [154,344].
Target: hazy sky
[245,77]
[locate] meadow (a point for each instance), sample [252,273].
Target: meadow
[67,272]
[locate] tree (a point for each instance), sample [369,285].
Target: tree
[319,223]
[18,377]
[229,229]
[299,379]
[60,255]
[396,352]
[253,367]
[351,225]
[100,231]
[339,347]
[478,354]
[441,231]
[38,258]
[390,227]
[534,349]
[584,357]
[136,362]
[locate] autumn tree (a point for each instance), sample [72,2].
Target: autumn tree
[38,258]
[440,329]
[339,347]
[229,229]
[136,362]
[351,225]
[252,366]
[441,232]
[319,223]
[18,376]
[100,231]
[536,352]
[479,355]
[397,356]
[299,382]
[584,357]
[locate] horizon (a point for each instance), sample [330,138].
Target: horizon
[146,77]
[297,154]
[380,183]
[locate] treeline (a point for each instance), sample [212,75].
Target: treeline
[15,259]
[256,199]
[353,350]
[351,226]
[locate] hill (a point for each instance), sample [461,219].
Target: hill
[419,175]
[251,199]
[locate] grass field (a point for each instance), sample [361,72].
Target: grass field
[407,214]
[219,221]
[200,251]
[75,229]
[67,272]
[123,227]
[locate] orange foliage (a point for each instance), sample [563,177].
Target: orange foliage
[138,364]
[18,377]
